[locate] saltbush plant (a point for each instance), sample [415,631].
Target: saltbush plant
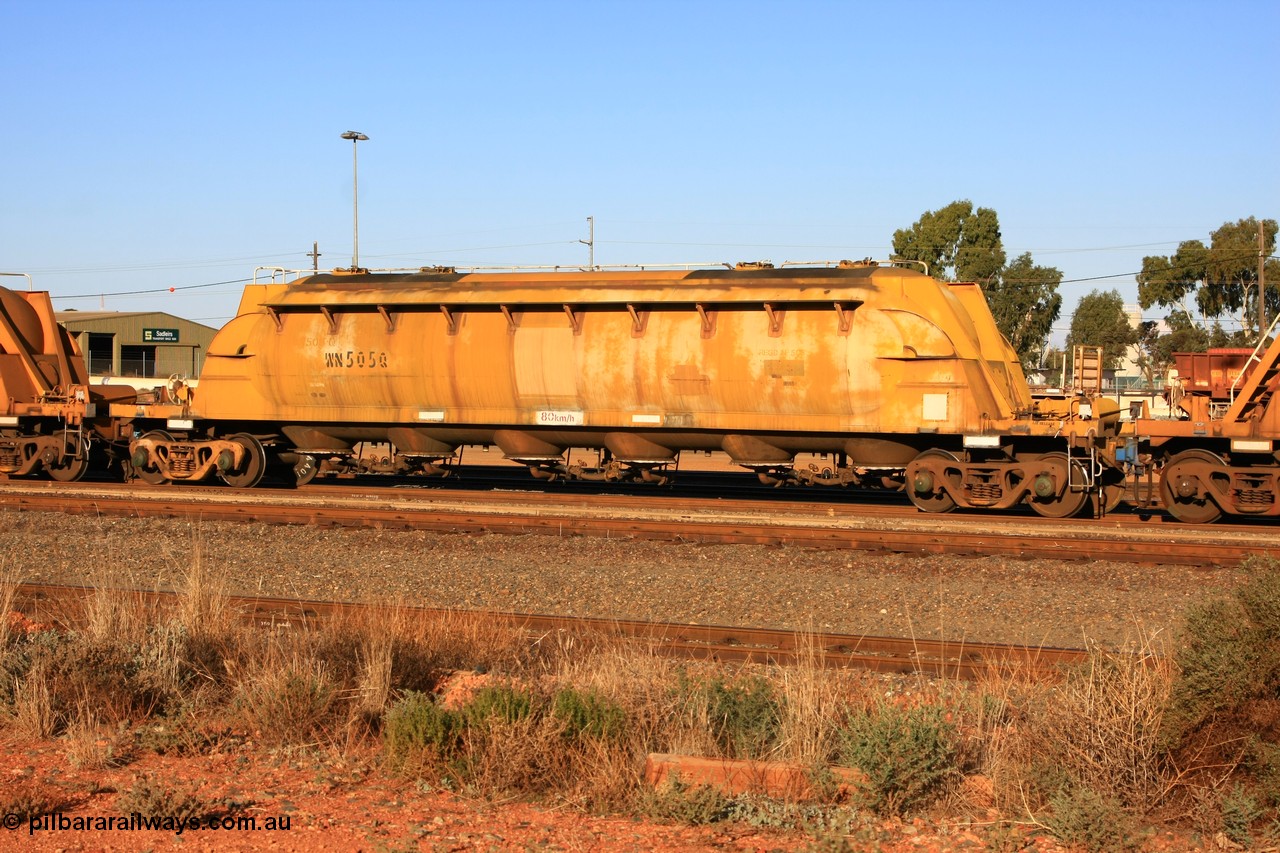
[1229,656]
[1239,812]
[416,726]
[588,714]
[153,798]
[744,717]
[906,754]
[502,704]
[1093,821]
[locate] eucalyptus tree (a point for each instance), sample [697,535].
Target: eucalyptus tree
[962,243]
[1025,302]
[1100,320]
[1222,277]
[958,242]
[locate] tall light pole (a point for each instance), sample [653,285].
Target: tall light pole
[356,139]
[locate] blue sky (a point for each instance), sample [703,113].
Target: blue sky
[179,144]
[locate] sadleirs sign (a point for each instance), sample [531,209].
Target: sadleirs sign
[160,336]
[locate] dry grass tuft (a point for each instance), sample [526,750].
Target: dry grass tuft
[814,700]
[91,744]
[8,592]
[30,713]
[116,615]
[287,698]
[204,607]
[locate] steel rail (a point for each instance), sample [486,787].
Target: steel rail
[65,606]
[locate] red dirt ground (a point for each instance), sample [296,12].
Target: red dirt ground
[347,804]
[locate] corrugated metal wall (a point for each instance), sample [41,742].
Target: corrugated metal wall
[142,344]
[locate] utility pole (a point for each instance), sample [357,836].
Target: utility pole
[314,254]
[590,242]
[1262,284]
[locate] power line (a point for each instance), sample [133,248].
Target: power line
[155,290]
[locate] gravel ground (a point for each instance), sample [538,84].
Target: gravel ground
[1037,602]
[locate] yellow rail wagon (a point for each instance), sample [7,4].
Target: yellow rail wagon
[903,380]
[48,411]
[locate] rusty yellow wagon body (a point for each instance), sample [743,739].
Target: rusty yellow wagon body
[48,411]
[903,380]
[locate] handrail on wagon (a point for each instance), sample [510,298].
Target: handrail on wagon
[25,275]
[283,275]
[1254,356]
[278,275]
[867,262]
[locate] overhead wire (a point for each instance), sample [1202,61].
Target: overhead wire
[176,264]
[154,290]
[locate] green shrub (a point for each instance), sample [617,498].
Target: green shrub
[680,803]
[417,730]
[1230,654]
[502,703]
[21,655]
[744,717]
[1239,811]
[415,725]
[905,754]
[588,715]
[1093,821]
[152,798]
[70,670]
[1263,761]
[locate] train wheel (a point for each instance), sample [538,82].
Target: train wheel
[1185,492]
[147,473]
[305,469]
[922,489]
[72,467]
[254,465]
[1068,503]
[1111,496]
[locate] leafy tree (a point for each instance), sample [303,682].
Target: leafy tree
[1151,361]
[1100,321]
[958,242]
[1025,302]
[962,243]
[1223,276]
[1185,335]
[1053,361]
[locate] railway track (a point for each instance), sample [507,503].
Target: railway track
[65,605]
[1133,536]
